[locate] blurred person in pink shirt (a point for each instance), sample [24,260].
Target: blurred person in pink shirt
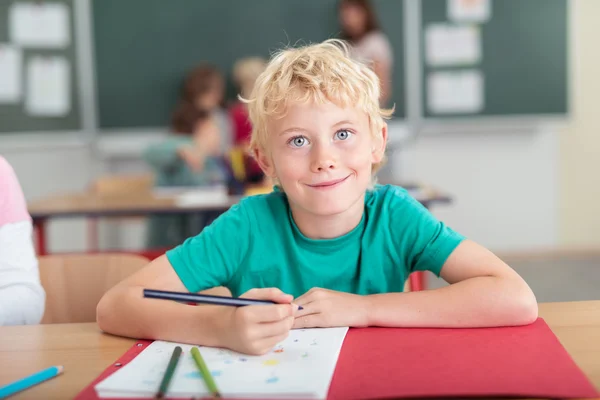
[22,297]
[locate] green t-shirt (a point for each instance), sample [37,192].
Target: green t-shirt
[257,244]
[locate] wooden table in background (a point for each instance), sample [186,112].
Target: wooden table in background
[85,352]
[88,205]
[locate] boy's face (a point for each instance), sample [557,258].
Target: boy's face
[322,157]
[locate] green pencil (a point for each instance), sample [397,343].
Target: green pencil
[162,390]
[206,375]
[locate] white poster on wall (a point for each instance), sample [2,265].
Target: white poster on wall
[48,86]
[447,44]
[41,24]
[477,11]
[455,92]
[10,74]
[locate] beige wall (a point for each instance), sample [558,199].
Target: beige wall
[579,198]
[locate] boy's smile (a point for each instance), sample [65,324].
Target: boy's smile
[325,185]
[322,155]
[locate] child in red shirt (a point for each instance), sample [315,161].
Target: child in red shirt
[245,72]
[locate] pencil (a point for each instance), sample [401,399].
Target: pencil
[204,298]
[164,385]
[206,375]
[29,381]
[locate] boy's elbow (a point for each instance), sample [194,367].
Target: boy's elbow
[526,305]
[530,310]
[103,312]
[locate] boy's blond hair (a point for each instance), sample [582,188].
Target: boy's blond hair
[320,73]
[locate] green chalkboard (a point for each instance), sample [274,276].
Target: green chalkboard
[524,57]
[143,48]
[13,116]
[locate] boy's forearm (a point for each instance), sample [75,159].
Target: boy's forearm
[476,302]
[126,313]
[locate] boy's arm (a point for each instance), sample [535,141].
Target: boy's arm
[252,329]
[124,311]
[483,291]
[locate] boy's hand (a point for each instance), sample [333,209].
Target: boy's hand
[325,308]
[257,329]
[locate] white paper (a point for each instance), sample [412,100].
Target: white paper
[48,86]
[469,10]
[299,367]
[42,24]
[10,74]
[447,44]
[455,92]
[200,196]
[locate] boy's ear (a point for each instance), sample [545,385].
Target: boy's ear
[379,144]
[265,162]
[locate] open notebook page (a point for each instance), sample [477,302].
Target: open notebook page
[301,366]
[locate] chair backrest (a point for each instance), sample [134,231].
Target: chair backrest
[122,184]
[75,283]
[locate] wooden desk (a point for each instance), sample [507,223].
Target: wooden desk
[91,205]
[147,203]
[85,352]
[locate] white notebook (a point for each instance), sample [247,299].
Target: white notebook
[299,367]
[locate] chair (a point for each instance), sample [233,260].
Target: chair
[417,281]
[115,185]
[122,184]
[75,283]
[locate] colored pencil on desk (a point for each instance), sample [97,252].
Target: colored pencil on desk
[204,298]
[205,372]
[29,381]
[164,385]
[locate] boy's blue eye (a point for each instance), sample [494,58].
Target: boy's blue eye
[297,141]
[343,134]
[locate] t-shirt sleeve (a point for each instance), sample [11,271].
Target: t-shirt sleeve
[423,241]
[212,257]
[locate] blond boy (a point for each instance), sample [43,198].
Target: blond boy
[327,240]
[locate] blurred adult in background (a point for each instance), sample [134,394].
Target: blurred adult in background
[193,155]
[245,72]
[369,44]
[22,297]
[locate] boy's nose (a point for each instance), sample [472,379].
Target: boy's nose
[322,160]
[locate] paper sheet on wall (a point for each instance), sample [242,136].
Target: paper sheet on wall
[48,88]
[41,24]
[455,92]
[301,366]
[447,44]
[10,74]
[469,10]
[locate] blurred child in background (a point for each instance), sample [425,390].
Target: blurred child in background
[245,72]
[193,155]
[204,88]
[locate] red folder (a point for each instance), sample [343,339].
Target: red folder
[376,363]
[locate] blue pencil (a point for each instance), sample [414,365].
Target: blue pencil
[30,381]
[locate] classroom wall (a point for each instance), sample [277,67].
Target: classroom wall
[579,215]
[48,164]
[504,183]
[522,187]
